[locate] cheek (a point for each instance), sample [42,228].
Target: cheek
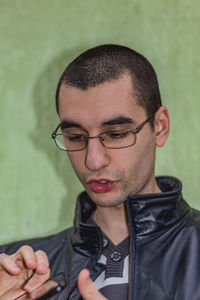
[77,161]
[123,161]
[139,159]
[146,159]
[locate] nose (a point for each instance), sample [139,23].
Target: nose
[96,156]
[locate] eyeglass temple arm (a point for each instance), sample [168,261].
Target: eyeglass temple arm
[53,135]
[144,123]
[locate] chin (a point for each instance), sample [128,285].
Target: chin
[107,200]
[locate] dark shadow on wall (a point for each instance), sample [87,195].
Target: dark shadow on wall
[47,120]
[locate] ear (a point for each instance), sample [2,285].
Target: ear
[161,126]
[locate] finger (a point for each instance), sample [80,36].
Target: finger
[42,262]
[12,294]
[27,255]
[36,281]
[43,290]
[8,263]
[87,288]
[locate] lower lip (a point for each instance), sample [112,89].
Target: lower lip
[98,187]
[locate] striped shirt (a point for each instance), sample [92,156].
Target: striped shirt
[113,281]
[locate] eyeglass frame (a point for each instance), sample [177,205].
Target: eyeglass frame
[87,137]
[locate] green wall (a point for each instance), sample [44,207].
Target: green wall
[38,39]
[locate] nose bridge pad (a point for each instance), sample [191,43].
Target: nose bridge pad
[102,139]
[86,140]
[135,137]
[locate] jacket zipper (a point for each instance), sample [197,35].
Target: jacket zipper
[132,256]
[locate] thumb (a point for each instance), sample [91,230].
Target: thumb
[87,288]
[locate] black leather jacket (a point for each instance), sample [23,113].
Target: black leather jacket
[164,248]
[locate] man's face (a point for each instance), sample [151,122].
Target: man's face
[109,175]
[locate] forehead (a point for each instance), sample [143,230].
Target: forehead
[99,103]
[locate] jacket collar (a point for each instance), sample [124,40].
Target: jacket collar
[147,213]
[86,237]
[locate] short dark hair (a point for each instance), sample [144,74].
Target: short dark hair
[107,63]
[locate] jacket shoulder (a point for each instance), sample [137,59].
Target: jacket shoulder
[193,219]
[47,244]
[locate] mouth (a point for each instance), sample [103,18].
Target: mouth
[101,185]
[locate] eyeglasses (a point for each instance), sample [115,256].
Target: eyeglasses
[115,139]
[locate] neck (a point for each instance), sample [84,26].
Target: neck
[113,222]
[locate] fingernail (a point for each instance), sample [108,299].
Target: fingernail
[42,268]
[87,279]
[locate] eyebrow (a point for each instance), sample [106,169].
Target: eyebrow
[119,120]
[69,124]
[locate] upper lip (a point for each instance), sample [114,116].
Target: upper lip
[98,179]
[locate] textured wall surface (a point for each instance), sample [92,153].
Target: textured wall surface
[37,40]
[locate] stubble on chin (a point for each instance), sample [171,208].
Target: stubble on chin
[110,199]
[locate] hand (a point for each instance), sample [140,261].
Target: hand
[22,272]
[87,288]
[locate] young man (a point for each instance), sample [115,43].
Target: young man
[134,232]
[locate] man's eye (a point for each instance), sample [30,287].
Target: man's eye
[74,138]
[117,135]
